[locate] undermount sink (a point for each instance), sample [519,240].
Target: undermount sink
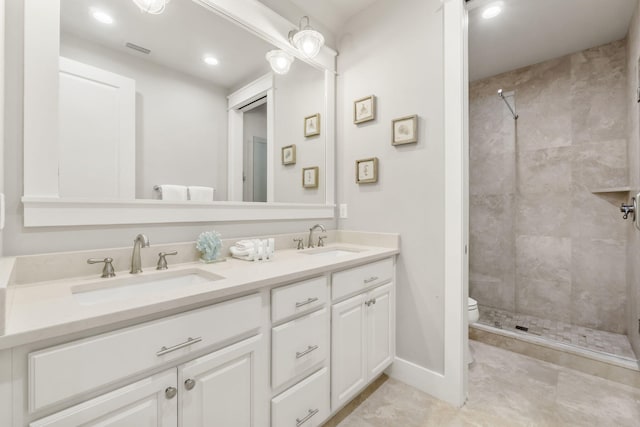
[110,290]
[330,252]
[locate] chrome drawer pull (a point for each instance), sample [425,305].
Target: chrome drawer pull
[307,351]
[309,301]
[311,413]
[371,279]
[188,342]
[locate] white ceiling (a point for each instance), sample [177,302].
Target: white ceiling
[177,38]
[532,31]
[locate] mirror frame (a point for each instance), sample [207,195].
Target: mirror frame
[42,203]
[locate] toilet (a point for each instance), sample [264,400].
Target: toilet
[474,315]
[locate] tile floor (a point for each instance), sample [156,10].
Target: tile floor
[591,339]
[505,389]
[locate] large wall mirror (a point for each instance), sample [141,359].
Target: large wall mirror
[170,117]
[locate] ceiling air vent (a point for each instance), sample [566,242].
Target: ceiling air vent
[138,48]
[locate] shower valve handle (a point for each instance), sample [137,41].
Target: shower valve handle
[627,209]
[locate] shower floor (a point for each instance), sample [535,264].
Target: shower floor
[565,333]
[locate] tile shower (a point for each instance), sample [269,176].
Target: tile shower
[547,243]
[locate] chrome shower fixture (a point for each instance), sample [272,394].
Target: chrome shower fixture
[513,112]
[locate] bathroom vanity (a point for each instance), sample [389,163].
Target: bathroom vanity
[278,343]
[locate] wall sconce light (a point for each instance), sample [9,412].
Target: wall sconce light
[307,40]
[280,61]
[154,7]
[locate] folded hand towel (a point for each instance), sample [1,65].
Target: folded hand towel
[245,244]
[240,252]
[201,194]
[173,192]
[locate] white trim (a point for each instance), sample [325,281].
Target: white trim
[454,390]
[41,56]
[46,212]
[235,141]
[426,380]
[330,136]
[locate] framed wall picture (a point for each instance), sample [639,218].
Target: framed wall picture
[310,177]
[312,125]
[289,155]
[404,130]
[367,171]
[364,109]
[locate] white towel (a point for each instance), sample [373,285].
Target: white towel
[201,194]
[173,192]
[245,245]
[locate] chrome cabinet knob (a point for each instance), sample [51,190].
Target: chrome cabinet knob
[170,392]
[189,384]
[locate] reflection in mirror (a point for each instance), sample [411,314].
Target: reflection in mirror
[144,110]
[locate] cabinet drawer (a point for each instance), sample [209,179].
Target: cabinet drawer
[304,405]
[298,298]
[298,346]
[71,369]
[354,280]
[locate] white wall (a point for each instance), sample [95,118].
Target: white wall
[299,94]
[394,51]
[19,240]
[181,121]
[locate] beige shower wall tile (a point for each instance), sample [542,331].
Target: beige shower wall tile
[544,214]
[601,164]
[598,291]
[599,110]
[595,217]
[544,298]
[543,102]
[543,258]
[493,174]
[544,171]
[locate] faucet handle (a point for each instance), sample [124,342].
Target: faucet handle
[300,244]
[321,241]
[162,260]
[108,270]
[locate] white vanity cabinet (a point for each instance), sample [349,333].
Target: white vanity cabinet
[362,329]
[300,354]
[226,386]
[143,403]
[216,389]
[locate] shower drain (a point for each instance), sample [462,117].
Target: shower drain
[522,328]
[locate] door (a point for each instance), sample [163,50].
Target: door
[221,388]
[151,402]
[259,169]
[97,144]
[348,370]
[380,329]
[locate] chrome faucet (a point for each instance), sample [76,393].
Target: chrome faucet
[141,241]
[321,227]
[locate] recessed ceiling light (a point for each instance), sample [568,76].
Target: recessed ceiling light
[210,60]
[102,16]
[491,11]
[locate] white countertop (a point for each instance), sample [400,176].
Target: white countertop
[46,310]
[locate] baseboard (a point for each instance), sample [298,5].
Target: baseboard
[426,380]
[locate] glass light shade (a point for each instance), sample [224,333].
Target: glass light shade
[309,42]
[280,61]
[154,7]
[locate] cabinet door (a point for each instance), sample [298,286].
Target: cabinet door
[380,329]
[224,388]
[151,402]
[348,370]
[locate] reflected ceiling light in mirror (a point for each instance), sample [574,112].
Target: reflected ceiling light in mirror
[210,60]
[154,7]
[102,16]
[491,11]
[307,40]
[280,61]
